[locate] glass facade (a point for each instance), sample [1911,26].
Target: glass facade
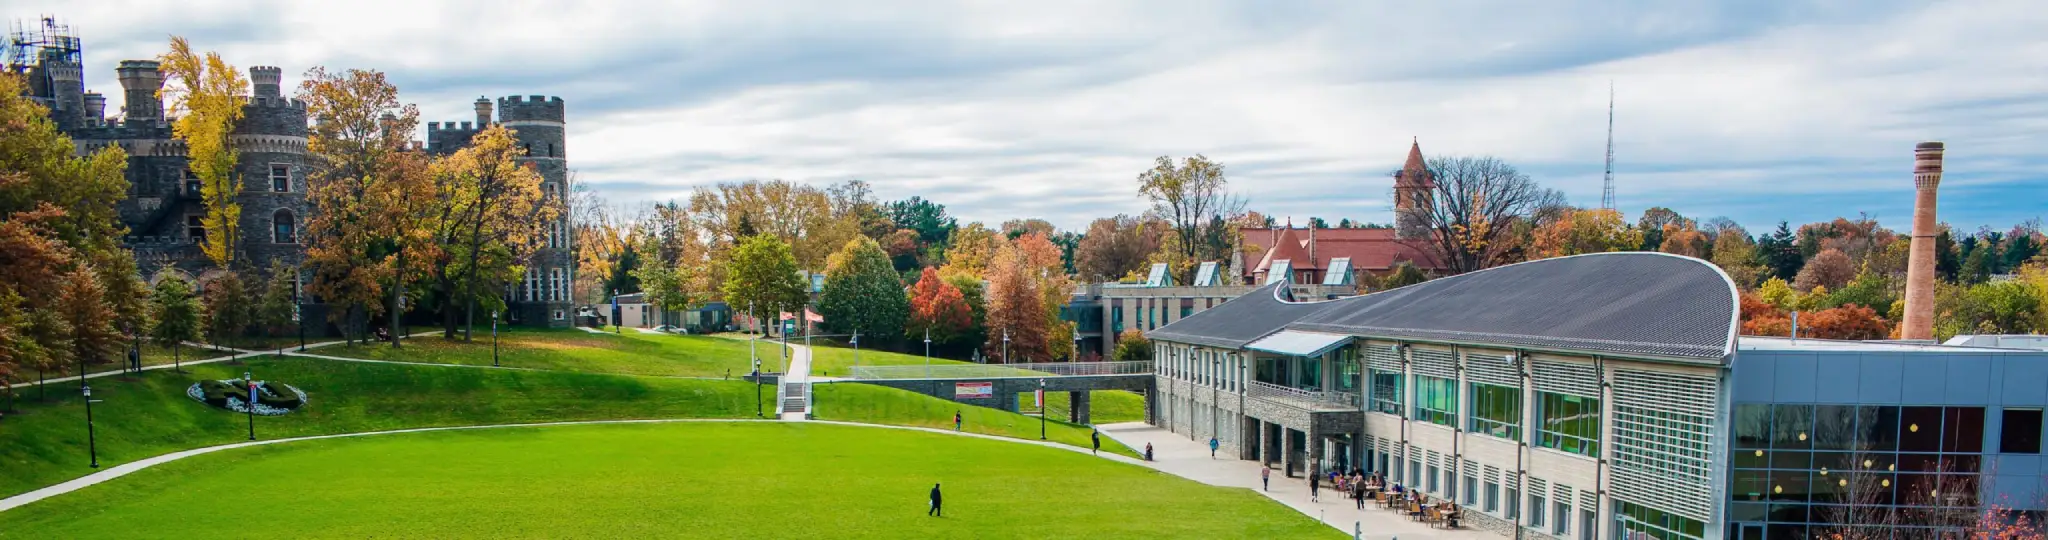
[1386,391]
[1803,470]
[1347,369]
[1436,400]
[1568,423]
[1496,411]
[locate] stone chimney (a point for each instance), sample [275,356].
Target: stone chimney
[263,81]
[483,112]
[1919,323]
[140,81]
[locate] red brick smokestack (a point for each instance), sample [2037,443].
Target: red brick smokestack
[1919,323]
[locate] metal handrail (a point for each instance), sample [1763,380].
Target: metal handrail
[994,371]
[1324,398]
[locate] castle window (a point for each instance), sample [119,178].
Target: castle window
[195,228]
[554,285]
[284,228]
[551,149]
[191,183]
[280,178]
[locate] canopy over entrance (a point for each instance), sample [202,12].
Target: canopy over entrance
[1299,343]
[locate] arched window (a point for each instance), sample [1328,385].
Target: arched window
[284,228]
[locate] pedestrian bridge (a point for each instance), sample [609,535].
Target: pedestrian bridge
[999,385]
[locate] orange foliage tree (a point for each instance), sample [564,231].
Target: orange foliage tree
[1016,310]
[1849,321]
[939,308]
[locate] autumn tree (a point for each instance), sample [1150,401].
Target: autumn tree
[84,308]
[408,207]
[1132,346]
[1478,208]
[206,95]
[1194,199]
[1016,308]
[762,276]
[228,308]
[799,215]
[971,249]
[603,243]
[938,309]
[277,310]
[175,313]
[665,286]
[1055,290]
[1404,274]
[1584,230]
[1761,318]
[356,143]
[975,292]
[1115,246]
[1849,322]
[488,223]
[1735,253]
[854,200]
[863,292]
[1020,227]
[1830,268]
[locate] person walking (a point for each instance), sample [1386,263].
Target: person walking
[1315,486]
[1148,451]
[956,421]
[1265,478]
[1213,445]
[1358,490]
[1095,438]
[935,511]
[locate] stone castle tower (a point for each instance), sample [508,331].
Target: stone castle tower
[1414,194]
[542,296]
[1919,316]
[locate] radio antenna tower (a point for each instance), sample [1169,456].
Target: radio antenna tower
[1607,186]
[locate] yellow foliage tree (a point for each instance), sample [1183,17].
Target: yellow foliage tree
[207,95]
[1582,231]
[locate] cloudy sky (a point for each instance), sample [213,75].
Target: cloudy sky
[1757,110]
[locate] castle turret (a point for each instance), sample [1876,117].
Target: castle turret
[1919,316]
[483,112]
[95,108]
[537,122]
[140,81]
[264,81]
[67,92]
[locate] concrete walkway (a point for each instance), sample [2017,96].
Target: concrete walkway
[798,378]
[1176,455]
[131,467]
[238,354]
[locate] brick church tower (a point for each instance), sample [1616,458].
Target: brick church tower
[1414,194]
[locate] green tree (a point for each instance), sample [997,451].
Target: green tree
[207,96]
[1194,199]
[863,293]
[228,310]
[175,311]
[974,292]
[762,275]
[1869,289]
[1778,253]
[667,286]
[278,307]
[1404,274]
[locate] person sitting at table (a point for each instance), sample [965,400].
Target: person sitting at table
[1397,488]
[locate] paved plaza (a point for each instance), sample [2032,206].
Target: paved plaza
[1190,459]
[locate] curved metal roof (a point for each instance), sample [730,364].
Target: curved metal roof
[1237,322]
[1629,303]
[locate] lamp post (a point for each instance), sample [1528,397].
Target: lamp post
[927,352]
[249,380]
[856,348]
[1077,345]
[494,338]
[1041,405]
[299,316]
[92,445]
[1006,345]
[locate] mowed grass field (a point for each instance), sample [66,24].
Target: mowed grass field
[702,480]
[869,404]
[569,349]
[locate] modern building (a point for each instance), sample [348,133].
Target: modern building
[163,211]
[1605,396]
[1103,311]
[1344,256]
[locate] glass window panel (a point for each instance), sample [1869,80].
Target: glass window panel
[1568,423]
[1920,429]
[1496,411]
[1752,459]
[1922,463]
[1788,486]
[1777,531]
[1963,430]
[1436,400]
[1790,459]
[1747,511]
[2020,431]
[1877,428]
[1748,485]
[1792,426]
[1834,461]
[1386,391]
[1788,512]
[1834,427]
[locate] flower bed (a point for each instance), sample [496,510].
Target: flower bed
[272,398]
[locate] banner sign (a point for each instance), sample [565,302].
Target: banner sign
[1038,398]
[974,390]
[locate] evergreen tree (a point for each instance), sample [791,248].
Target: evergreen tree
[863,293]
[1779,253]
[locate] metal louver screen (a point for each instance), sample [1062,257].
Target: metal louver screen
[1382,356]
[1663,433]
[1569,378]
[1434,362]
[1490,368]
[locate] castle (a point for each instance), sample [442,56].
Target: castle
[163,211]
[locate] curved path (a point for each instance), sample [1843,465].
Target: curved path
[125,469]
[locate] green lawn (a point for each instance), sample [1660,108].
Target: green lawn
[569,349]
[1104,406]
[666,480]
[839,361]
[150,415]
[855,402]
[152,355]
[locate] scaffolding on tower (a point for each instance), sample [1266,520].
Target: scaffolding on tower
[48,41]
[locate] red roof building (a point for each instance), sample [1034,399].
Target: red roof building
[1311,254]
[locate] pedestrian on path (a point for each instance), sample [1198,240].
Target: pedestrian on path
[1095,437]
[935,511]
[1314,486]
[1265,478]
[1148,451]
[1213,444]
[956,421]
